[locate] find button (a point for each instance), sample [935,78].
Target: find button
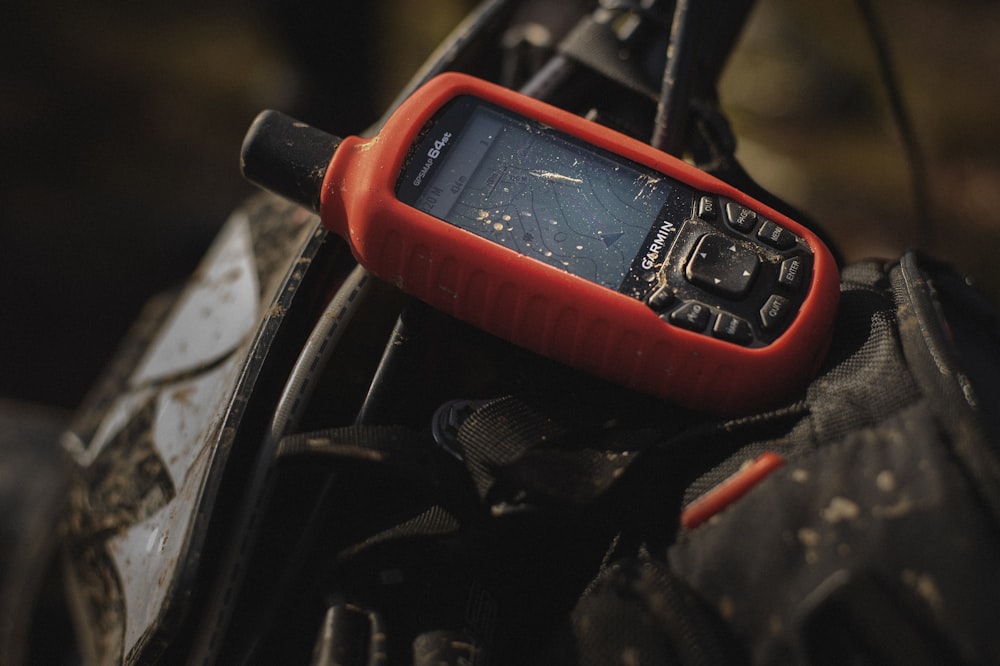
[692,315]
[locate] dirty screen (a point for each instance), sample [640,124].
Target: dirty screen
[545,196]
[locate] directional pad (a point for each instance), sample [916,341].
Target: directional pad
[723,266]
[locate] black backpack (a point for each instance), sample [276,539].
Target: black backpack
[570,522]
[492,507]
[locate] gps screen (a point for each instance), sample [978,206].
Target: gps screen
[536,191]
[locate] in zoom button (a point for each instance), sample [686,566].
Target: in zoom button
[661,299]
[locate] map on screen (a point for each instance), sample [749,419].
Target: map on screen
[545,196]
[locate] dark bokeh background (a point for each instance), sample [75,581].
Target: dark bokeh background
[120,126]
[806,99]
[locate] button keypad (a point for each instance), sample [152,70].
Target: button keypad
[741,277]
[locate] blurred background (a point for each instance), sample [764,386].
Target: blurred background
[120,128]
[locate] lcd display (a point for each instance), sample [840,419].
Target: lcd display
[536,191]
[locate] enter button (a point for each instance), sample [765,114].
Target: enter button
[791,272]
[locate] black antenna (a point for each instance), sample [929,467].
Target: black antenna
[287,157]
[919,181]
[672,109]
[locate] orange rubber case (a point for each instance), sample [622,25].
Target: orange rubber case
[546,310]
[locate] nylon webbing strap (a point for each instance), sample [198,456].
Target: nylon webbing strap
[402,452]
[434,521]
[639,607]
[373,443]
[519,451]
[498,434]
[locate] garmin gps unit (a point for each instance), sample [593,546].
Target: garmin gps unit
[570,240]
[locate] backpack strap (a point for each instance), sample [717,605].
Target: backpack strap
[638,611]
[950,338]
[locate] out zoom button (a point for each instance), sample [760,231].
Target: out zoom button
[707,208]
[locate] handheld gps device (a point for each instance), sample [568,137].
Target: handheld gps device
[569,239]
